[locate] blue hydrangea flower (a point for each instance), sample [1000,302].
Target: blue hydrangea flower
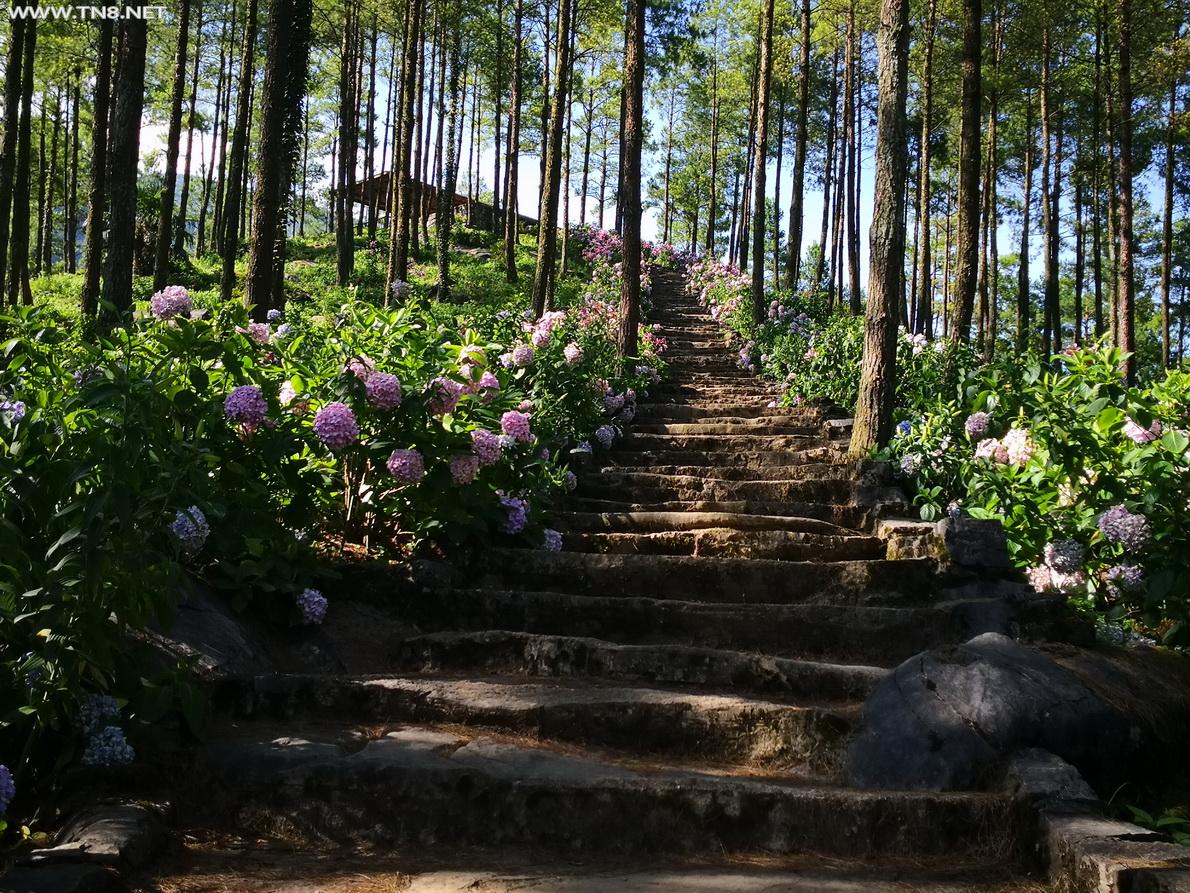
[108,748]
[8,788]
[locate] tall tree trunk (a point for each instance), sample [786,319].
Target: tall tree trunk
[124,153]
[1079,259]
[777,193]
[760,155]
[47,244]
[630,200]
[39,239]
[219,137]
[967,250]
[498,96]
[566,180]
[1023,301]
[987,272]
[924,319]
[511,218]
[547,243]
[97,190]
[370,132]
[1051,147]
[828,173]
[797,200]
[344,236]
[13,89]
[70,224]
[1125,300]
[179,233]
[169,183]
[1097,177]
[743,248]
[1167,227]
[589,126]
[18,256]
[228,239]
[286,60]
[444,218]
[712,209]
[873,416]
[399,217]
[852,116]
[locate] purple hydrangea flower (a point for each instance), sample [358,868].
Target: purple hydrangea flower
[583,447]
[516,425]
[1065,556]
[613,403]
[489,382]
[245,405]
[910,464]
[976,425]
[1128,529]
[383,390]
[444,395]
[516,514]
[1123,578]
[274,315]
[312,605]
[171,301]
[260,332]
[14,409]
[407,466]
[97,711]
[486,446]
[522,355]
[191,530]
[108,748]
[8,788]
[571,482]
[463,469]
[400,290]
[335,425]
[605,434]
[552,541]
[573,354]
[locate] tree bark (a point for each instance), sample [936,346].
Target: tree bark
[967,250]
[70,224]
[713,210]
[1051,165]
[851,114]
[1023,302]
[169,182]
[184,200]
[97,191]
[634,79]
[13,89]
[18,256]
[444,218]
[873,416]
[511,218]
[228,239]
[760,157]
[399,217]
[498,96]
[1167,227]
[924,319]
[797,200]
[828,173]
[547,243]
[1125,300]
[344,236]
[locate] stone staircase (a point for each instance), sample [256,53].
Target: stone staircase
[673,691]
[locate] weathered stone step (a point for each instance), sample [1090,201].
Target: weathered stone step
[703,410]
[641,721]
[780,545]
[654,521]
[799,472]
[683,391]
[689,488]
[721,458]
[423,786]
[732,580]
[721,442]
[872,635]
[841,514]
[540,654]
[769,426]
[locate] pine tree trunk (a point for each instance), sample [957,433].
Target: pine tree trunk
[97,190]
[852,139]
[70,224]
[287,52]
[18,256]
[1079,260]
[1167,227]
[219,137]
[370,134]
[39,240]
[124,153]
[547,244]
[169,182]
[797,200]
[924,319]
[1023,302]
[1097,179]
[498,96]
[630,200]
[777,193]
[47,244]
[344,236]
[586,182]
[444,217]
[400,215]
[1125,300]
[760,157]
[183,214]
[1051,165]
[828,173]
[512,156]
[713,209]
[13,89]
[873,416]
[228,240]
[967,252]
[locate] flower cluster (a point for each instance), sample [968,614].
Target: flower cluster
[1125,528]
[171,301]
[336,426]
[516,514]
[976,425]
[552,541]
[8,788]
[383,390]
[1140,435]
[246,406]
[464,469]
[191,530]
[445,394]
[516,425]
[108,748]
[311,605]
[486,446]
[13,410]
[1016,448]
[407,466]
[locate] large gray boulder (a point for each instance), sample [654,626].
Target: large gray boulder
[947,719]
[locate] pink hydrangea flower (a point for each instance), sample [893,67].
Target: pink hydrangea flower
[383,390]
[573,354]
[516,425]
[361,367]
[260,332]
[522,355]
[444,395]
[407,466]
[1140,435]
[1018,446]
[486,446]
[335,425]
[463,469]
[171,301]
[245,405]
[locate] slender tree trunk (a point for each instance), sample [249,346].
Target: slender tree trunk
[967,249]
[1023,302]
[219,137]
[797,200]
[873,416]
[287,53]
[1079,260]
[586,182]
[169,182]
[630,200]
[851,115]
[712,209]
[547,243]
[179,233]
[18,257]
[1167,226]
[13,89]
[498,96]
[566,178]
[129,96]
[39,240]
[760,157]
[511,219]
[399,217]
[987,272]
[1097,178]
[370,134]
[828,172]
[1125,300]
[777,193]
[70,225]
[344,236]
[228,239]
[97,190]
[924,320]
[743,246]
[47,244]
[444,218]
[1051,147]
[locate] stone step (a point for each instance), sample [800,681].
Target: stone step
[800,472]
[651,722]
[780,545]
[730,580]
[768,425]
[871,635]
[852,517]
[595,522]
[644,487]
[421,786]
[712,459]
[504,652]
[703,410]
[721,442]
